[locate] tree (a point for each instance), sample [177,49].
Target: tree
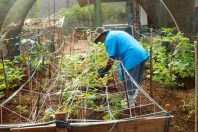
[78,17]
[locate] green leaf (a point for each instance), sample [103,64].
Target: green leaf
[2,86]
[90,102]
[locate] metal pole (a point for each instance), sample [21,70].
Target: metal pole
[38,99]
[15,41]
[5,75]
[100,9]
[171,66]
[151,65]
[196,89]
[48,13]
[97,10]
[89,13]
[67,3]
[134,14]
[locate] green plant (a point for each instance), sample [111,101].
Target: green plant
[1,95]
[49,113]
[183,63]
[115,115]
[81,74]
[21,109]
[14,73]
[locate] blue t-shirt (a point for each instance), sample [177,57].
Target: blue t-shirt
[123,46]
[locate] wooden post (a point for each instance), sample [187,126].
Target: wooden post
[28,64]
[167,108]
[27,68]
[60,117]
[5,75]
[151,65]
[73,40]
[70,45]
[196,89]
[123,26]
[171,66]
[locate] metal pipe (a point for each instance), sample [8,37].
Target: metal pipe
[171,66]
[170,14]
[151,65]
[196,89]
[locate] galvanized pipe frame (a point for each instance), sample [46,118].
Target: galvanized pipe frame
[18,28]
[5,7]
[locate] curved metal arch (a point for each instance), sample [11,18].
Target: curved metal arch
[5,7]
[150,13]
[24,9]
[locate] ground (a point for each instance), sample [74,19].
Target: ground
[184,120]
[181,101]
[178,99]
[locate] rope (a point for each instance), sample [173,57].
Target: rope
[58,74]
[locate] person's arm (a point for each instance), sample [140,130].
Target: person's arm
[109,63]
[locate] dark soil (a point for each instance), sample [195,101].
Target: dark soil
[181,101]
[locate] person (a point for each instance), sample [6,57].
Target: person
[195,19]
[121,45]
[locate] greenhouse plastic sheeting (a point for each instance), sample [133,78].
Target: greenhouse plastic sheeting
[5,6]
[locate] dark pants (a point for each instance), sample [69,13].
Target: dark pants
[137,74]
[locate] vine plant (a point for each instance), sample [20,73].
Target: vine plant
[83,85]
[183,59]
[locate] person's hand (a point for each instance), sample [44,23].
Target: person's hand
[101,72]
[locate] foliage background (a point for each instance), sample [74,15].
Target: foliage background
[79,17]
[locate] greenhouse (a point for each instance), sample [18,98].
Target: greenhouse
[98,65]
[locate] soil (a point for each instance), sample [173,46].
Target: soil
[184,120]
[181,101]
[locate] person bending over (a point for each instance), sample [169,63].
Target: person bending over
[121,45]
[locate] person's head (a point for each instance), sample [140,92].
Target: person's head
[101,32]
[101,38]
